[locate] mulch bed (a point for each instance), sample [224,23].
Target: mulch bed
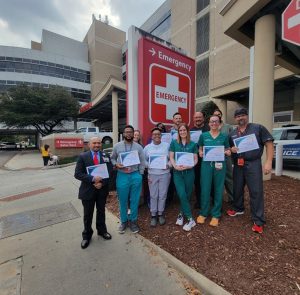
[231,255]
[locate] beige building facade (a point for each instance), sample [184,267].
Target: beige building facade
[209,32]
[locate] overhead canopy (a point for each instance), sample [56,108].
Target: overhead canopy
[239,19]
[100,108]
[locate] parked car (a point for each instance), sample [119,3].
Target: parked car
[89,132]
[8,145]
[289,136]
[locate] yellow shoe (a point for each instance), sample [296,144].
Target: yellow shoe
[214,222]
[201,219]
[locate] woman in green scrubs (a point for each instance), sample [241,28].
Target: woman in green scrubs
[183,174]
[212,172]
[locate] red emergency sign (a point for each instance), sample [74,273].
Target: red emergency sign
[68,143]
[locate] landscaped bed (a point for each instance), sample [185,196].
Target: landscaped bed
[231,255]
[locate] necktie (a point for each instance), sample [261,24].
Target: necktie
[95,159]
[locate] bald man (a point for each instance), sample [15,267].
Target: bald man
[93,190]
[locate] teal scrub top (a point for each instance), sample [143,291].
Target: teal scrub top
[191,147]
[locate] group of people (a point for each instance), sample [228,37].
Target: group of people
[231,169]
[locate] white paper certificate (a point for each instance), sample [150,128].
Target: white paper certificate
[246,143]
[184,159]
[129,158]
[98,170]
[195,135]
[213,153]
[158,161]
[175,135]
[166,137]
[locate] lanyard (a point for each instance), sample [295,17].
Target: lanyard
[129,148]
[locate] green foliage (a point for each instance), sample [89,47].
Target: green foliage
[209,108]
[42,108]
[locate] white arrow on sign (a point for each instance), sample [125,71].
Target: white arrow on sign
[152,51]
[294,21]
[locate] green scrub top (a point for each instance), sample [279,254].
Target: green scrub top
[207,140]
[191,147]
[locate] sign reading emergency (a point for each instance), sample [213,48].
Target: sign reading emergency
[166,85]
[68,143]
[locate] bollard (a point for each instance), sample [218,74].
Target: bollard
[279,159]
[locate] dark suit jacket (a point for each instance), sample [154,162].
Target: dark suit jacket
[87,189]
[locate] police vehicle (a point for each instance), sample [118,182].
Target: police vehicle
[289,136]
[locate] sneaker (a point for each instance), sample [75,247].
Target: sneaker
[188,226]
[257,228]
[214,222]
[161,219]
[201,219]
[153,221]
[134,227]
[233,213]
[122,227]
[179,220]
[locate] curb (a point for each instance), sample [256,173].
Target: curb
[206,286]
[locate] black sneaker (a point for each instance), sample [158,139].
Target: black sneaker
[153,221]
[134,227]
[161,220]
[122,227]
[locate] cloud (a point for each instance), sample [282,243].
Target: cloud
[22,21]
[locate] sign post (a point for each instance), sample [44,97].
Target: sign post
[291,23]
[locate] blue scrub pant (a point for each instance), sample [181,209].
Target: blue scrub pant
[129,186]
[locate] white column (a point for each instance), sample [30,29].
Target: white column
[263,77]
[115,116]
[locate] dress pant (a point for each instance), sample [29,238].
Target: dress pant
[98,198]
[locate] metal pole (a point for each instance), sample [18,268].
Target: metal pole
[279,159]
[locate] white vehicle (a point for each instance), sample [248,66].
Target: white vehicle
[89,132]
[289,136]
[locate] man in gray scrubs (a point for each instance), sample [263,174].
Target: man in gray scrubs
[247,168]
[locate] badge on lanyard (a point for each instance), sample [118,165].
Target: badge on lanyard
[218,165]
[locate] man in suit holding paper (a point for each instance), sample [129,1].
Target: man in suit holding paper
[93,190]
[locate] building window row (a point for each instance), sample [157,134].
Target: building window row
[202,80]
[80,94]
[201,4]
[38,67]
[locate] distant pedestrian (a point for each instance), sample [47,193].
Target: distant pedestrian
[93,191]
[248,170]
[46,154]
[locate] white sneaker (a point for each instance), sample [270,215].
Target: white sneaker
[179,220]
[189,225]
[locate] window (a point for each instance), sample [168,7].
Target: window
[202,78]
[201,4]
[202,34]
[280,117]
[91,129]
[163,27]
[293,134]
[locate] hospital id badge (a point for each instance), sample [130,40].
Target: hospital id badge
[218,165]
[241,162]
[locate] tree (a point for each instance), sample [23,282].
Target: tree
[42,108]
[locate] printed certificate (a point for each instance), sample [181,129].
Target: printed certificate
[158,161]
[213,153]
[246,143]
[166,137]
[175,135]
[129,158]
[98,170]
[184,159]
[195,135]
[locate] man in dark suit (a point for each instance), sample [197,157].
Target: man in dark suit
[93,190]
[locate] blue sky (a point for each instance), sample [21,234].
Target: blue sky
[23,20]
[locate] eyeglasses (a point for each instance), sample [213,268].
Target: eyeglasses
[214,122]
[156,134]
[128,132]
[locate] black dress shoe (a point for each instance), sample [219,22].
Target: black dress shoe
[85,244]
[105,236]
